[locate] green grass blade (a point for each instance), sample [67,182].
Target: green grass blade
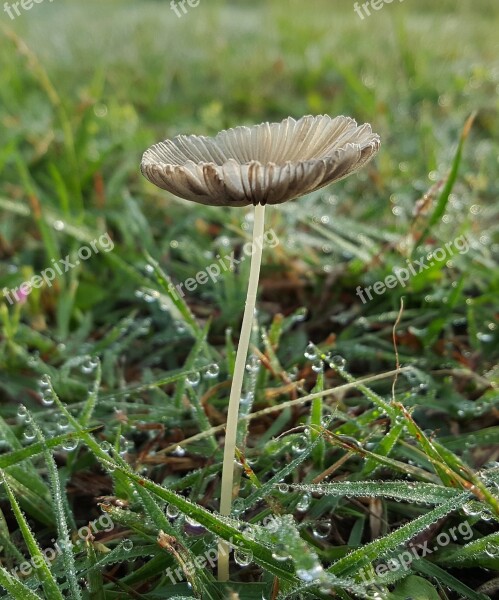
[425,493]
[387,544]
[16,589]
[42,571]
[443,199]
[432,570]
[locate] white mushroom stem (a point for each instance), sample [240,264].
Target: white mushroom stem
[237,385]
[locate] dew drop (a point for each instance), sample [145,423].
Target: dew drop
[299,444]
[127,545]
[338,362]
[310,352]
[22,412]
[106,446]
[212,371]
[89,365]
[29,434]
[304,502]
[70,444]
[309,575]
[272,525]
[485,337]
[47,398]
[242,557]
[300,315]
[247,532]
[110,467]
[238,506]
[193,379]
[44,382]
[62,422]
[317,366]
[253,364]
[180,327]
[280,553]
[172,512]
[322,529]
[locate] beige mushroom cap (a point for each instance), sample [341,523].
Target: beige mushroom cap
[264,164]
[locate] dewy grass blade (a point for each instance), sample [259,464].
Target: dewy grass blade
[94,575]
[449,184]
[62,527]
[218,526]
[16,589]
[177,301]
[41,568]
[425,493]
[432,570]
[17,456]
[383,546]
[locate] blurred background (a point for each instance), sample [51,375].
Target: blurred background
[85,88]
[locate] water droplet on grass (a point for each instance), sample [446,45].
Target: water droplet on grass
[193,379]
[22,412]
[171,511]
[317,366]
[212,371]
[44,382]
[338,362]
[300,315]
[310,352]
[47,397]
[242,557]
[62,422]
[89,365]
[322,529]
[280,553]
[310,574]
[253,364]
[70,444]
[304,502]
[299,444]
[29,434]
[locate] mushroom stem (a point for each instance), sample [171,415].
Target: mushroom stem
[237,384]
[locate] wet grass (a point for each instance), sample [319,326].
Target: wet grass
[114,389]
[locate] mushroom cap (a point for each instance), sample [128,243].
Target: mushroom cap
[268,163]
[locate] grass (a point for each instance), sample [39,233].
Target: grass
[367,428]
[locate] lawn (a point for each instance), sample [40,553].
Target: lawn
[368,442]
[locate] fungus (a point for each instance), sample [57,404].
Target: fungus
[269,163]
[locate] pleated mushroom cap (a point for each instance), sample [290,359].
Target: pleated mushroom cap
[264,164]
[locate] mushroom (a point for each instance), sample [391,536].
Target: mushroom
[269,163]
